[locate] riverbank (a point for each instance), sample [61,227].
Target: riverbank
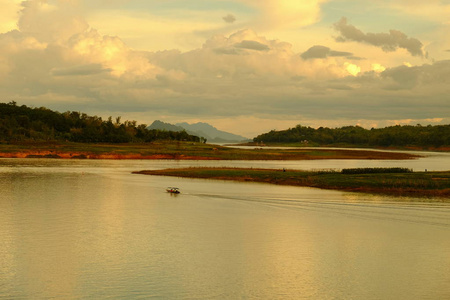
[420,184]
[348,146]
[184,151]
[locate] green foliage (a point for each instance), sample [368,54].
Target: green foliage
[399,136]
[22,123]
[375,170]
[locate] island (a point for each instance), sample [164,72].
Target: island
[387,181]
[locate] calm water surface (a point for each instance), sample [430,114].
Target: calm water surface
[91,230]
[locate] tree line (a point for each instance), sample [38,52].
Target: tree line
[22,123]
[398,136]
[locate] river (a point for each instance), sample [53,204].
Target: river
[85,229]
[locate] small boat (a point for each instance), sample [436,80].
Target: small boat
[173,190]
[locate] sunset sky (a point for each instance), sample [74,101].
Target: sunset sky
[244,66]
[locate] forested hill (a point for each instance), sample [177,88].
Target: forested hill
[395,136]
[22,123]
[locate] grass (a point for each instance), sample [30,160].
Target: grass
[444,148]
[184,150]
[425,184]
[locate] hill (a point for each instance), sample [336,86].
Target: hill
[213,133]
[200,129]
[437,136]
[159,125]
[22,123]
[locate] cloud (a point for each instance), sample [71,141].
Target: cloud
[229,18]
[265,79]
[154,25]
[50,21]
[84,70]
[389,42]
[323,52]
[246,55]
[40,59]
[417,77]
[353,69]
[8,14]
[378,68]
[252,45]
[243,40]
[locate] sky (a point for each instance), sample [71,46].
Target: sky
[243,66]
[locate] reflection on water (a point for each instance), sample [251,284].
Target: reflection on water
[90,229]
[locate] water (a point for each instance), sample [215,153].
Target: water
[78,229]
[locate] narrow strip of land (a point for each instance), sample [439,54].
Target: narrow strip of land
[421,184]
[184,151]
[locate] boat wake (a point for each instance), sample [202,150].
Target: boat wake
[429,213]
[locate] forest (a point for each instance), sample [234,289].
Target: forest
[22,123]
[393,136]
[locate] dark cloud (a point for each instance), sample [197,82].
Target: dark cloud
[227,50]
[319,51]
[356,58]
[404,77]
[229,18]
[84,70]
[387,41]
[340,53]
[342,87]
[252,45]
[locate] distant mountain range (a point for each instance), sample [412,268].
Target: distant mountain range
[200,129]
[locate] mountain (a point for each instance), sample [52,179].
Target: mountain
[211,133]
[200,129]
[165,126]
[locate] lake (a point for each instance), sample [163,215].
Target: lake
[85,229]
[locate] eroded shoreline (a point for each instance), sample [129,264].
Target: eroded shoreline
[187,151]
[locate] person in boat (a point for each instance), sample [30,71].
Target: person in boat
[173,190]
